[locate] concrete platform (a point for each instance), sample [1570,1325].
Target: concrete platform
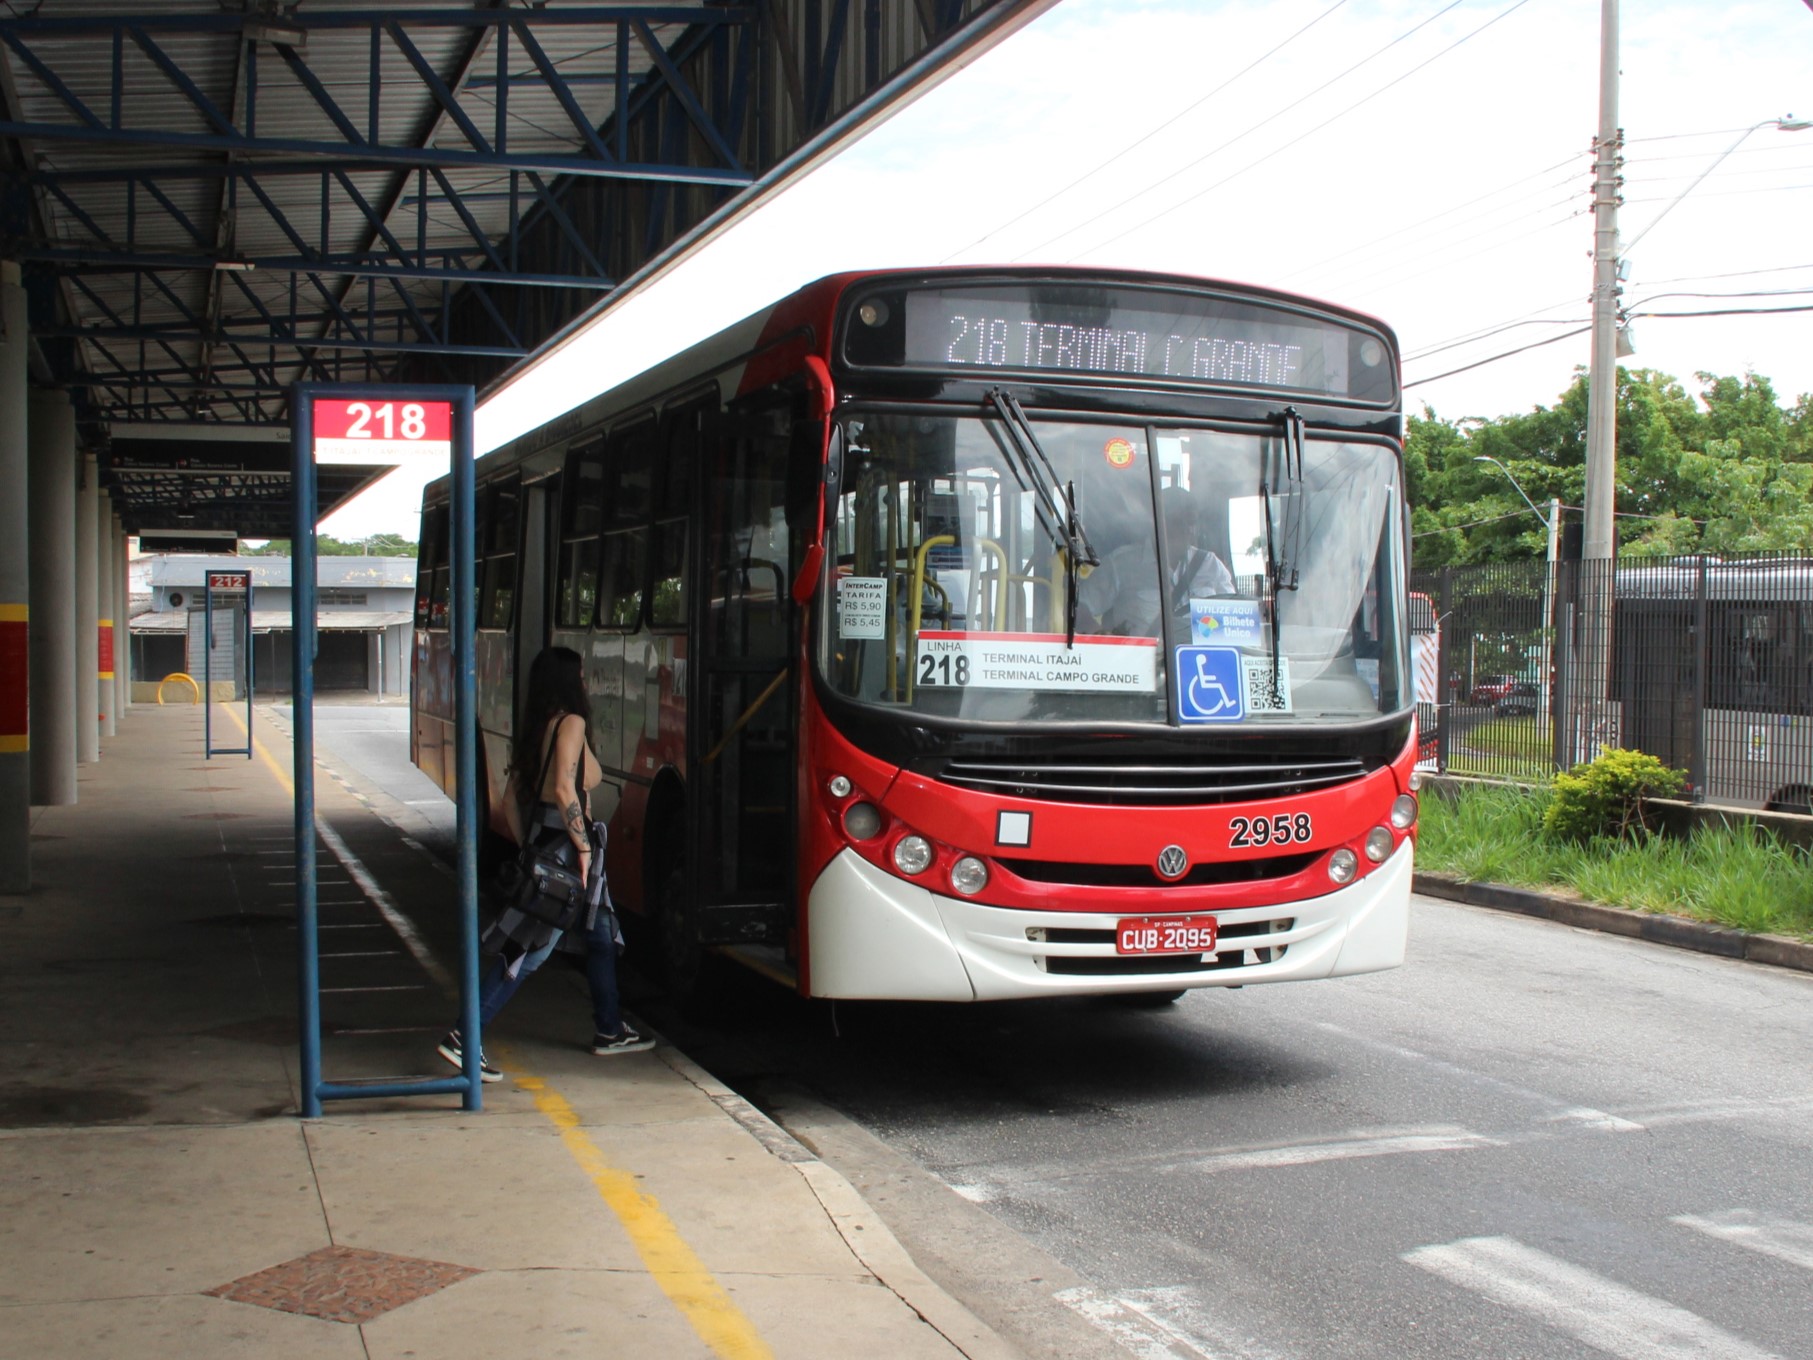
[160,1197]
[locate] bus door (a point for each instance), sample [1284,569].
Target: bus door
[742,745]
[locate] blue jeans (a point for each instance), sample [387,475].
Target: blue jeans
[600,975]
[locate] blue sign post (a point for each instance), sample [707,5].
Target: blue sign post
[237,584]
[383,424]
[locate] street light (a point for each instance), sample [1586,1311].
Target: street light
[1552,523]
[1788,123]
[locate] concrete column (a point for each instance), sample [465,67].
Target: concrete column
[88,652]
[397,678]
[53,599]
[15,593]
[107,586]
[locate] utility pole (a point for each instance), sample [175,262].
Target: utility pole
[1601,410]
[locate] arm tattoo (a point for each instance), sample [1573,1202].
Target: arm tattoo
[575,820]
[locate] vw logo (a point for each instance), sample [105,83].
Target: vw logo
[1173,863]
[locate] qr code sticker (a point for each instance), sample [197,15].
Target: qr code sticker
[1262,695]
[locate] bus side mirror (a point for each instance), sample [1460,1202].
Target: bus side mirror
[805,584]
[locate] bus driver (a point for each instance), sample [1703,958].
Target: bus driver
[1120,597]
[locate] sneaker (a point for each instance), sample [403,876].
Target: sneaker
[625,1040]
[452,1050]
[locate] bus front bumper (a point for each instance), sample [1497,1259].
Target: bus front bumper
[875,936]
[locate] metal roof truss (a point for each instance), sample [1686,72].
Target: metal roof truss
[215,205]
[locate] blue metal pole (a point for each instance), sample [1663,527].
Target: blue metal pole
[465,728]
[251,654]
[302,641]
[207,667]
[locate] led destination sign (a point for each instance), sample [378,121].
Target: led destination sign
[1119,332]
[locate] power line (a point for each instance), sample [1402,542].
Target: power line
[1428,261]
[1465,368]
[1738,273]
[1487,335]
[1437,217]
[1302,99]
[1506,12]
[1141,141]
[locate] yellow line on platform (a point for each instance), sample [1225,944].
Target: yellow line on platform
[682,1276]
[270,761]
[674,1266]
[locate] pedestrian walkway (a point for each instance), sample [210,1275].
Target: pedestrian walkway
[160,1197]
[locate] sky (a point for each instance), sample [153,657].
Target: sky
[1426,161]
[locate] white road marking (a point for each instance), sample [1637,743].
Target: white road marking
[1781,1238]
[1599,1312]
[387,907]
[1181,1313]
[976,1194]
[1132,1331]
[1385,1143]
[1597,1119]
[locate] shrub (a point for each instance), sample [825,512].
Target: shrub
[1604,797]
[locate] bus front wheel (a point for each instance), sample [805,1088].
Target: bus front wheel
[1147,1001]
[677,932]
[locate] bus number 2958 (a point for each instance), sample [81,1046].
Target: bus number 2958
[1282,829]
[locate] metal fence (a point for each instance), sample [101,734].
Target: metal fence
[1705,663]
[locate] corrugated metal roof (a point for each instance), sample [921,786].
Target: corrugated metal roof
[222,211]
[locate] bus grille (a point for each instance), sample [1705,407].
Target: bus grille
[1149,782]
[1201,875]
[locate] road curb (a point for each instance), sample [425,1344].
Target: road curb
[856,1221]
[1780,950]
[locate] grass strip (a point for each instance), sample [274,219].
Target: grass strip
[1742,876]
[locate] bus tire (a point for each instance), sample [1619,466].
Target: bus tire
[677,938]
[1796,798]
[1147,1001]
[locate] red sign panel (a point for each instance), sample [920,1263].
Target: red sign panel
[106,654]
[384,421]
[229,580]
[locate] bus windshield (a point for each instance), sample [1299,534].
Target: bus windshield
[1240,577]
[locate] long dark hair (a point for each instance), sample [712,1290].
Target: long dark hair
[556,686]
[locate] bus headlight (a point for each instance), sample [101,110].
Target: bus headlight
[1403,812]
[1343,865]
[913,854]
[862,820]
[969,876]
[1378,844]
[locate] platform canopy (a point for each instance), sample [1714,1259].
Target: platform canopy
[213,200]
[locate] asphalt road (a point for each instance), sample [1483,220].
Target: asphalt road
[1530,1141]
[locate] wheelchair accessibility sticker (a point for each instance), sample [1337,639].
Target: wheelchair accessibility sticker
[1209,685]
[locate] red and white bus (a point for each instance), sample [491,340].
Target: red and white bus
[975,634]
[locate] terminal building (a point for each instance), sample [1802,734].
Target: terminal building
[365,611]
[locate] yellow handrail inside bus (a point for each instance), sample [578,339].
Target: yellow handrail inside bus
[977,592]
[186,679]
[743,719]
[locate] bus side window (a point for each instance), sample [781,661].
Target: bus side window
[672,502]
[623,561]
[432,555]
[497,589]
[581,517]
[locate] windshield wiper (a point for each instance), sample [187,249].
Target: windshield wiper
[1282,473]
[1054,504]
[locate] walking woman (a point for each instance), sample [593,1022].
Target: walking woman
[552,770]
